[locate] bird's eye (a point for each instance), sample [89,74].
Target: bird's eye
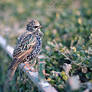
[35,26]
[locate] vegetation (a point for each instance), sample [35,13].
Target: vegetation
[67,42]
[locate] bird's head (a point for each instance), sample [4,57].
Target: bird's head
[33,26]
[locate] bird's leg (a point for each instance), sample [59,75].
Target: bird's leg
[27,65]
[34,62]
[30,66]
[34,65]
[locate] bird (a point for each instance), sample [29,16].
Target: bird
[28,46]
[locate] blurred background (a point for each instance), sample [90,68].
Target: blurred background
[67,28]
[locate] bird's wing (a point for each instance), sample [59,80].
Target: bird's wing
[26,43]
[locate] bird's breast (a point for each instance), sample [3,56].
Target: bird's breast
[38,44]
[37,48]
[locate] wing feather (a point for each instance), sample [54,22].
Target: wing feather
[24,42]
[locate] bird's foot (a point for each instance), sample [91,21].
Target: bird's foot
[29,67]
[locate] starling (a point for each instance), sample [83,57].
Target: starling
[28,46]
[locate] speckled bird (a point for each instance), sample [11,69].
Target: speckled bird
[28,46]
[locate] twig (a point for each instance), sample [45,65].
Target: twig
[72,62]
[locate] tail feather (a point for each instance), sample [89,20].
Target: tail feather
[12,68]
[10,74]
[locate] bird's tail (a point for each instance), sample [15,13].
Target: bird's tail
[11,70]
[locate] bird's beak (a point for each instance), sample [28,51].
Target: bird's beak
[40,26]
